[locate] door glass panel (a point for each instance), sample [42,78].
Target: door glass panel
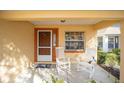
[44,51]
[44,39]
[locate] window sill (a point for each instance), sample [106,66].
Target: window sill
[67,51]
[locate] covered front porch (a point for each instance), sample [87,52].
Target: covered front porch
[22,31]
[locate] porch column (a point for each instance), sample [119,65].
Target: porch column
[105,43]
[122,51]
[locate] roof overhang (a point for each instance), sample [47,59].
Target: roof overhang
[55,14]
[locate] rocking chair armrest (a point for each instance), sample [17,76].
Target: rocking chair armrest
[67,59]
[63,60]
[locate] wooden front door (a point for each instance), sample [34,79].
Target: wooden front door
[45,42]
[44,48]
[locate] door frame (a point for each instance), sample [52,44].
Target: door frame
[54,31]
[44,47]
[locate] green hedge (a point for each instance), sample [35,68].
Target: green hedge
[101,57]
[117,52]
[109,58]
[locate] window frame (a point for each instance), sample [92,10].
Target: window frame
[101,47]
[114,37]
[75,50]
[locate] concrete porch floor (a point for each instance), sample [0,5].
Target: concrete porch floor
[74,76]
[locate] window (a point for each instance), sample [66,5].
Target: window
[111,43]
[74,41]
[100,42]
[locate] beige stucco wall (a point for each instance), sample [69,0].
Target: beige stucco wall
[16,48]
[89,34]
[105,23]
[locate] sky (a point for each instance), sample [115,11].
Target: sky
[62,4]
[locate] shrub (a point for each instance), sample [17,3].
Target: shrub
[111,60]
[92,81]
[101,57]
[99,49]
[56,80]
[117,52]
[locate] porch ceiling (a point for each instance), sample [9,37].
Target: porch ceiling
[67,22]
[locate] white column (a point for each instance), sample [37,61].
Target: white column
[105,43]
[122,51]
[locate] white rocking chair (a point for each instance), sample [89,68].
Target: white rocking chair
[62,62]
[86,62]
